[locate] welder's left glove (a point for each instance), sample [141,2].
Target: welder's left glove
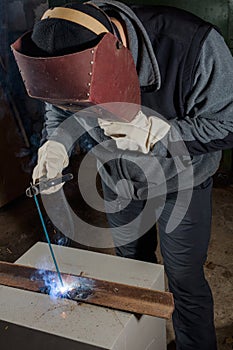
[52,159]
[141,134]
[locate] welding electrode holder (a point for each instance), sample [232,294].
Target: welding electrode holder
[45,184]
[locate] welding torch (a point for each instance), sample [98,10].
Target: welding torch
[36,189]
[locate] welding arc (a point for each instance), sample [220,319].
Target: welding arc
[48,240]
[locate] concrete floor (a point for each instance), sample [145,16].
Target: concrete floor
[20,229]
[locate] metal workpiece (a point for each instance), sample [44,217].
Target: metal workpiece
[90,290]
[66,323]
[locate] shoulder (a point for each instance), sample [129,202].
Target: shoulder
[215,55]
[168,12]
[169,20]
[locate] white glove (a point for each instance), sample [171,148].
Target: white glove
[52,159]
[140,134]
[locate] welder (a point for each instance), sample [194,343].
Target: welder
[176,65]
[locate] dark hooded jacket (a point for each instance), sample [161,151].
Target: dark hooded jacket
[186,74]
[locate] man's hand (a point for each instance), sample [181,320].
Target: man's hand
[140,134]
[52,159]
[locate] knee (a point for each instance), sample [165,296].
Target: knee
[185,280]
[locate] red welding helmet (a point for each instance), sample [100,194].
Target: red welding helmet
[104,73]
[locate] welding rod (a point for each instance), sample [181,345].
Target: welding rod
[48,239]
[33,191]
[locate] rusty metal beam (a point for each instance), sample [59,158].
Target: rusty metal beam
[93,291]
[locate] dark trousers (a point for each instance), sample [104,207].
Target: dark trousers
[184,252]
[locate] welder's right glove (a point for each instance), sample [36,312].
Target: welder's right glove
[141,134]
[52,159]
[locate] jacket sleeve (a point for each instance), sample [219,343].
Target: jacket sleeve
[70,128]
[53,118]
[60,126]
[208,125]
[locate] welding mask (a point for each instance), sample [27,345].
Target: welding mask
[104,73]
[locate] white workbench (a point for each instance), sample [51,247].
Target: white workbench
[35,320]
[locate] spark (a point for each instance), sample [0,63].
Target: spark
[63,315]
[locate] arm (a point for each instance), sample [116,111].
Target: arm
[54,116]
[208,125]
[52,154]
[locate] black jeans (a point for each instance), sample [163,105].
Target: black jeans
[184,252]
